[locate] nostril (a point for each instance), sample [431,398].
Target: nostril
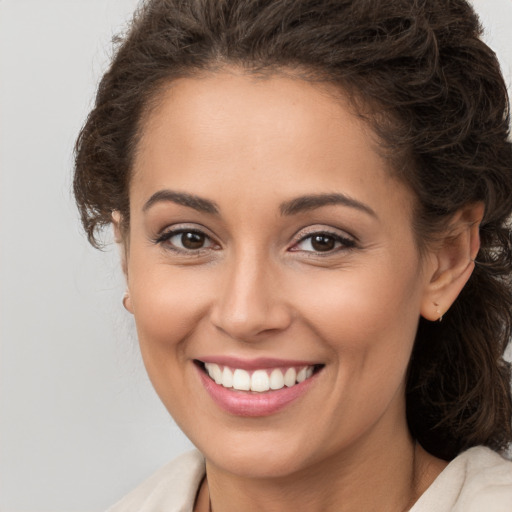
[253,323]
[249,302]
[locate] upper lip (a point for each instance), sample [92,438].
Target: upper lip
[255,364]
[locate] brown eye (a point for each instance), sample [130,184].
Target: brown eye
[182,240]
[323,242]
[191,240]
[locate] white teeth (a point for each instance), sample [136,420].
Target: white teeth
[241,380]
[276,379]
[260,380]
[290,377]
[227,377]
[214,372]
[301,375]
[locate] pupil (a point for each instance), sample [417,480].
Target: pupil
[323,243]
[192,240]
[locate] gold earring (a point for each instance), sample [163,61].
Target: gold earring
[126,296]
[438,311]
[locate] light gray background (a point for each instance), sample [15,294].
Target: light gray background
[79,423]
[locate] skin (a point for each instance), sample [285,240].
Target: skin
[257,288]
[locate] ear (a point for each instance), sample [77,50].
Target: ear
[123,251]
[452,261]
[116,225]
[120,240]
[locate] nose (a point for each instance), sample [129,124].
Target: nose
[250,302]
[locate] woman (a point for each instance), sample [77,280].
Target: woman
[312,200]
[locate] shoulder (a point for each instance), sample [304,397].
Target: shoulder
[172,488]
[478,479]
[487,483]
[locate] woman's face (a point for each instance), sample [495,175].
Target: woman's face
[267,239]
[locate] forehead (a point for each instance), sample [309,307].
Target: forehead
[232,127]
[241,105]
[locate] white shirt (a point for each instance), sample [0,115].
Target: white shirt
[478,480]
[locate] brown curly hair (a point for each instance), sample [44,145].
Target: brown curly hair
[419,74]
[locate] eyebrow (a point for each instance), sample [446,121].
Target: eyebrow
[294,206]
[313,201]
[182,198]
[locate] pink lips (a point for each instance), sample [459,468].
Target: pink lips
[249,403]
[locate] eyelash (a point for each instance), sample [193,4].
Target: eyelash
[165,238]
[344,243]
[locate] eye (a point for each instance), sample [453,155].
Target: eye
[323,242]
[186,240]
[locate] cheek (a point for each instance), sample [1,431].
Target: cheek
[362,301]
[368,318]
[369,327]
[168,304]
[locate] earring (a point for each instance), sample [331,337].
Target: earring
[438,311]
[126,296]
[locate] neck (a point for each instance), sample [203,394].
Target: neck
[372,477]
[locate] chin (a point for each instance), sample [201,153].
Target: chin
[249,463]
[257,454]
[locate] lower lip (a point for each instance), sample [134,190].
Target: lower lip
[250,403]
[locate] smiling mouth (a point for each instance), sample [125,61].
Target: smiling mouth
[259,380]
